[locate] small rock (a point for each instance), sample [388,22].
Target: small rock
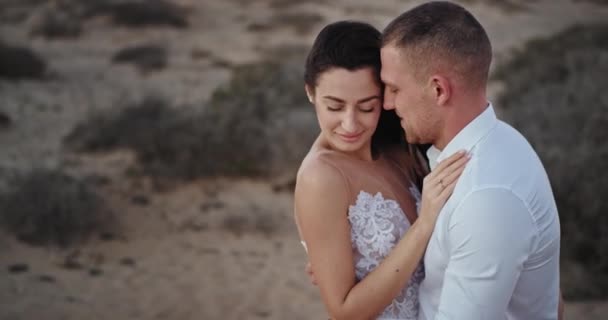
[18,268]
[71,263]
[262,313]
[95,272]
[213,205]
[5,120]
[107,236]
[145,57]
[288,186]
[140,200]
[127,261]
[46,278]
[213,251]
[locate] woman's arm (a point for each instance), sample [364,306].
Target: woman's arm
[321,206]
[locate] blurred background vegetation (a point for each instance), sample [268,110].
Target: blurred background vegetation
[83,79]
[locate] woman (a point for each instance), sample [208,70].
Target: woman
[356,197]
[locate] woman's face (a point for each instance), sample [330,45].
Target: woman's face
[348,106]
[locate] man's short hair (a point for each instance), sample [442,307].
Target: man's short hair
[442,34]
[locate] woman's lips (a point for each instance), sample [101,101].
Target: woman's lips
[350,137]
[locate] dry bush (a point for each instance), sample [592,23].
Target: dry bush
[259,124]
[144,57]
[57,19]
[17,11]
[262,120]
[301,22]
[556,96]
[49,207]
[254,220]
[141,13]
[20,63]
[287,4]
[508,6]
[129,127]
[5,120]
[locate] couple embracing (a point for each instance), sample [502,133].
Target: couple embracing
[466,229]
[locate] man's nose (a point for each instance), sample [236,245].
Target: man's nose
[389,101]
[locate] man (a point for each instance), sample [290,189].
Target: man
[494,253]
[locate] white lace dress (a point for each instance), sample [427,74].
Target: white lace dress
[376,226]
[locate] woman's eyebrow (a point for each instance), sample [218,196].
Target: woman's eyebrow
[334,99]
[370,98]
[366,99]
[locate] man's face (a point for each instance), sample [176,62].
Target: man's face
[412,99]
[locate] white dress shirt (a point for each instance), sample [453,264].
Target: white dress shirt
[494,253]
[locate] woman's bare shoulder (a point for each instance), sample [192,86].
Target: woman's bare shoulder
[319,171]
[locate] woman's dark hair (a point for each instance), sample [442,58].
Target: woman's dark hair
[355,45]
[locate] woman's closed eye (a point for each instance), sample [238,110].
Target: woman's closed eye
[335,107]
[368,107]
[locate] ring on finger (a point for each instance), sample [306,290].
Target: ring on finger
[441,183]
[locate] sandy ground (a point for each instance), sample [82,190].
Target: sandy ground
[197,251]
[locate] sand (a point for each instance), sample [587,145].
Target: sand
[195,250]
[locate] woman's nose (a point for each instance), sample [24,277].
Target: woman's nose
[350,123]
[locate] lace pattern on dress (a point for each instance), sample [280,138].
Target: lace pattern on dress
[376,226]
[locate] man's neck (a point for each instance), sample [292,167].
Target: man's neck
[458,117]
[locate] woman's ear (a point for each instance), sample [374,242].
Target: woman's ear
[310,93]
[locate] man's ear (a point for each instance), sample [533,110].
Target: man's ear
[442,88]
[310,93]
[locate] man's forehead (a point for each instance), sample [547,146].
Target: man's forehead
[389,64]
[390,52]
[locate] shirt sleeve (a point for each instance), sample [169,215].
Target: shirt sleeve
[490,236]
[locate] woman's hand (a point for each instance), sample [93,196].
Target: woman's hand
[439,184]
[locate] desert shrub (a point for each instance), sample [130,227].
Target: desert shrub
[49,207]
[144,57]
[56,23]
[17,11]
[5,120]
[141,13]
[262,120]
[556,96]
[20,63]
[287,4]
[509,6]
[128,127]
[253,221]
[301,22]
[259,124]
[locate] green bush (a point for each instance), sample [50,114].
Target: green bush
[49,207]
[556,96]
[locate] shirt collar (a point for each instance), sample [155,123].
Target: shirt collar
[466,139]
